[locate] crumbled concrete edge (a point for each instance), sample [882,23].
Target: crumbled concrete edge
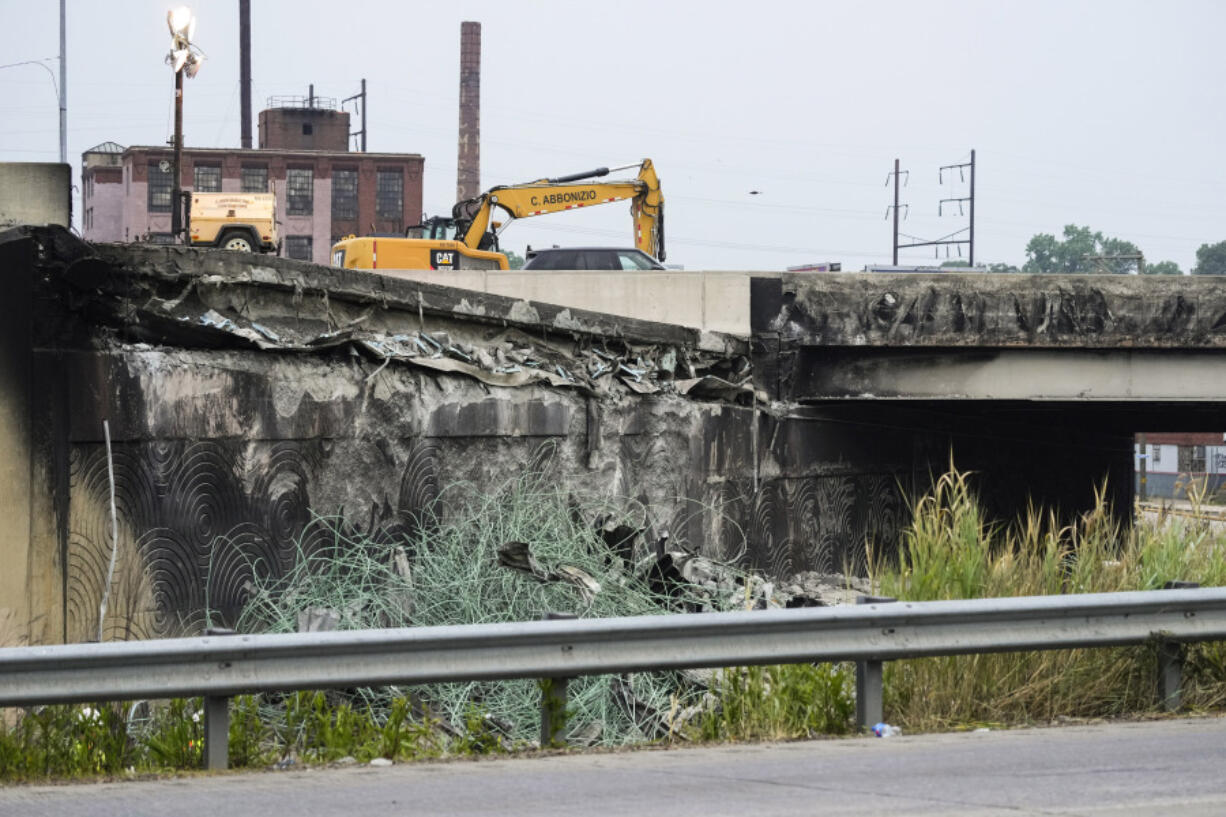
[211,298]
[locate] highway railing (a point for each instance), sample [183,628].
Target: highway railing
[220,666]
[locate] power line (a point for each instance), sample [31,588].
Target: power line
[950,239]
[896,174]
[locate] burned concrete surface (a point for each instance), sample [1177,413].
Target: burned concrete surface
[244,394]
[1036,382]
[994,311]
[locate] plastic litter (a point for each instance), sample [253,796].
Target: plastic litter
[884,730]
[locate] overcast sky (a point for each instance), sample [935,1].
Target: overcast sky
[1106,114]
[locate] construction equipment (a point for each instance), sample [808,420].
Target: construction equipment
[233,221]
[469,238]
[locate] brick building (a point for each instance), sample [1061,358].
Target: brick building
[1178,464]
[323,190]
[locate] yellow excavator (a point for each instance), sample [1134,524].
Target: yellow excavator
[469,238]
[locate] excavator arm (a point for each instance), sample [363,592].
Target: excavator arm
[473,217]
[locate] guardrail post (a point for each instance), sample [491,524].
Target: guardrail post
[553,699]
[1170,674]
[216,732]
[217,723]
[1170,662]
[868,680]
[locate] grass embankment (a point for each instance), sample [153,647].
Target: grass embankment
[950,551]
[449,574]
[446,572]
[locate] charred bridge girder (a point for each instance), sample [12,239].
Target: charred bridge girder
[1038,383]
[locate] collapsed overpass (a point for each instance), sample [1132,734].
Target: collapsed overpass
[244,393]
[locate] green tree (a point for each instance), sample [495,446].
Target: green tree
[1072,255]
[1163,268]
[514,260]
[1211,259]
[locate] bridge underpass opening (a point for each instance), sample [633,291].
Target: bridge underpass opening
[1051,454]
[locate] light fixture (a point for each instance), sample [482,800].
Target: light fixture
[182,24]
[194,61]
[184,55]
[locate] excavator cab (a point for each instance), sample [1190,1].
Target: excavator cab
[438,228]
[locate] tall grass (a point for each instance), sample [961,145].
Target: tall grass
[777,702]
[109,740]
[950,551]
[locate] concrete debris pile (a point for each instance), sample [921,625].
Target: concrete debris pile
[511,555]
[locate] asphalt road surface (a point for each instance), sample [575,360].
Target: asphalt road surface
[1165,767]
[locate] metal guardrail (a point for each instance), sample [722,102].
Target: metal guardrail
[218,667]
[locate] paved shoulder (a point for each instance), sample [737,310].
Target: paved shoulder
[1110,769]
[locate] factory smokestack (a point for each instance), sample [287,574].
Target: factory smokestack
[244,69]
[468,163]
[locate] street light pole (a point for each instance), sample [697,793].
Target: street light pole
[184,58]
[176,201]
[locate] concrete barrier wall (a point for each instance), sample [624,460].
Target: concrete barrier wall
[713,301]
[36,193]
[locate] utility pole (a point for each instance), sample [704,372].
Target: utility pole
[972,230]
[360,97]
[63,86]
[969,199]
[896,174]
[952,238]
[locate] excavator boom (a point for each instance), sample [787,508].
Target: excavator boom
[571,192]
[476,233]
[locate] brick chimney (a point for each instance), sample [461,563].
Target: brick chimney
[468,163]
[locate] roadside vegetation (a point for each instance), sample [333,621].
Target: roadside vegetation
[950,551]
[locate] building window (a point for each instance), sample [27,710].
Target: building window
[307,129]
[161,238]
[344,195]
[254,179]
[389,194]
[299,187]
[161,186]
[299,247]
[207,179]
[1157,449]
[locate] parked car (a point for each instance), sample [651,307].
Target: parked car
[590,258]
